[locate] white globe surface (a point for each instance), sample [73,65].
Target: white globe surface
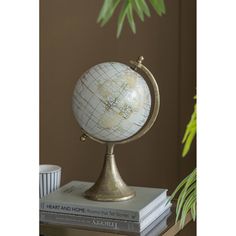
[111,102]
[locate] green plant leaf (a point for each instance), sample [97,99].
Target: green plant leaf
[191,125]
[184,211]
[138,9]
[131,19]
[188,142]
[181,184]
[187,207]
[139,6]
[193,211]
[187,198]
[190,180]
[159,6]
[144,7]
[121,17]
[105,8]
[191,188]
[190,132]
[110,12]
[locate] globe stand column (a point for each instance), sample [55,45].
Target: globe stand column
[109,185]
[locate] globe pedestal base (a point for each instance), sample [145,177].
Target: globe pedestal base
[109,186]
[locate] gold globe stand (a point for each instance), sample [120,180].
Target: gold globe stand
[109,185]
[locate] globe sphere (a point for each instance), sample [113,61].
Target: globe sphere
[111,102]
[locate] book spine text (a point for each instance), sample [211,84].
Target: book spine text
[89,211]
[91,222]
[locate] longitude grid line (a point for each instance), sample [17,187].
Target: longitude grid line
[78,94]
[93,92]
[87,102]
[101,100]
[115,75]
[114,130]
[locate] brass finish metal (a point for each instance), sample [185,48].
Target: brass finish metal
[83,137]
[139,61]
[109,185]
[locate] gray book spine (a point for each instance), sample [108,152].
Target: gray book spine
[89,211]
[91,222]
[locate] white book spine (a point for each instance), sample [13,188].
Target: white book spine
[102,223]
[89,211]
[86,221]
[68,208]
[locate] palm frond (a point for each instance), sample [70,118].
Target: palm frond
[137,8]
[131,19]
[121,17]
[140,7]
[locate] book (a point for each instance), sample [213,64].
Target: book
[156,227]
[103,223]
[69,199]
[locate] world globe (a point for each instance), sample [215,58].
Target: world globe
[111,102]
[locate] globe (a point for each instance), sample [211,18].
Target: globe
[111,102]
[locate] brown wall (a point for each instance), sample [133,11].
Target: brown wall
[71,42]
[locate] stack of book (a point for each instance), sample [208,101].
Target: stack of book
[67,206]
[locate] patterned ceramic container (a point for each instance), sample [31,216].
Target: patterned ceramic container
[49,179]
